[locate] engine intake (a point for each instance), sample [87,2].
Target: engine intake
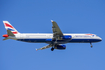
[60,47]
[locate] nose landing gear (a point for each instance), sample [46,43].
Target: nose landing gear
[91,45]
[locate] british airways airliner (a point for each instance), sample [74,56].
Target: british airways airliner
[54,40]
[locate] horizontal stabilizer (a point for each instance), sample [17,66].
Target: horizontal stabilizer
[5,39]
[10,33]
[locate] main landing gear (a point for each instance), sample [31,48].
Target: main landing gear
[52,49]
[91,45]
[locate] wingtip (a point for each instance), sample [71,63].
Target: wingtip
[36,49]
[52,21]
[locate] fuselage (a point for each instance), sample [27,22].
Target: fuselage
[54,40]
[47,38]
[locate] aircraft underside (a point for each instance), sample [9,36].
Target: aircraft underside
[59,41]
[54,40]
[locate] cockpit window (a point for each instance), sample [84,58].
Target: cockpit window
[96,36]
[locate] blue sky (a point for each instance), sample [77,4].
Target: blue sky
[34,16]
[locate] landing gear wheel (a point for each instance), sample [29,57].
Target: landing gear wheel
[52,49]
[91,45]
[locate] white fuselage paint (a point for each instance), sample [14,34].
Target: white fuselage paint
[45,38]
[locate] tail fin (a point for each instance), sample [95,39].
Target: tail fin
[8,26]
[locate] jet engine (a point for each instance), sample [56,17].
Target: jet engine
[67,37]
[60,47]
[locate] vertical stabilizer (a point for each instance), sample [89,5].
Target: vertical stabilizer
[8,26]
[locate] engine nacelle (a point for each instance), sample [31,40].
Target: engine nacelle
[60,47]
[67,37]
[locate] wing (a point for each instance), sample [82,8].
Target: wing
[57,33]
[45,47]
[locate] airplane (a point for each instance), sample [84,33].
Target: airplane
[55,40]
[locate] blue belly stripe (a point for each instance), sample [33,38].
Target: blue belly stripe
[50,40]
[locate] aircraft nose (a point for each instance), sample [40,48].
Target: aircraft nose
[100,39]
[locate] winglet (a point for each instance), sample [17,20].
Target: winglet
[36,49]
[52,21]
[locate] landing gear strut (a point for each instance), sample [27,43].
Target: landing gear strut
[91,45]
[52,49]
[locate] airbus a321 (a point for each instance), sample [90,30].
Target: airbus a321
[54,40]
